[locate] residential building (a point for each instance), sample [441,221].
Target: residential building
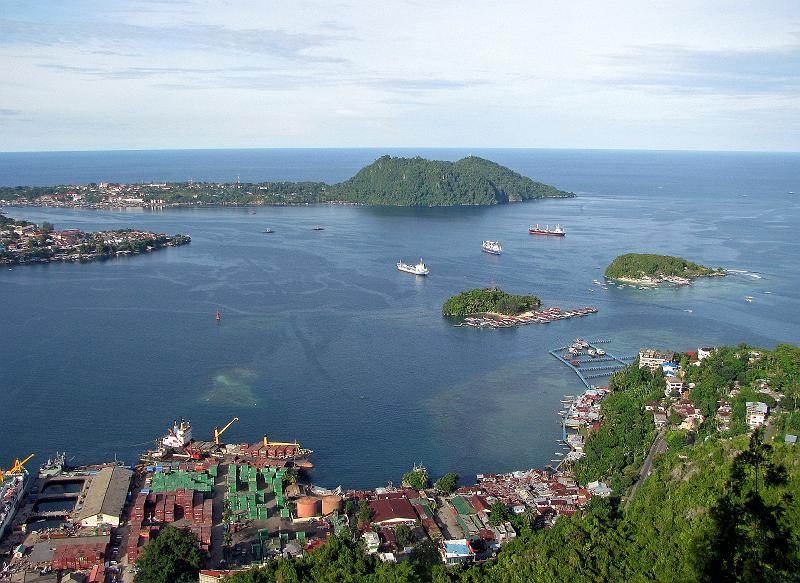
[757,413]
[652,359]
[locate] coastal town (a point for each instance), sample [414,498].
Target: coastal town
[22,242]
[248,503]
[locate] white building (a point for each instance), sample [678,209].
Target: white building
[757,413]
[653,359]
[704,352]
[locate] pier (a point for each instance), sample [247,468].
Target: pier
[609,363]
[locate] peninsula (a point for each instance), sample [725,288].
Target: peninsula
[651,269]
[388,181]
[22,242]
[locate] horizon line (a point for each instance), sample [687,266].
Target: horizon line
[273,148]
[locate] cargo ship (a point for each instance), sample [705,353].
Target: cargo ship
[491,247]
[418,269]
[12,493]
[178,445]
[557,231]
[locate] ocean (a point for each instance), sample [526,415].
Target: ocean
[322,340]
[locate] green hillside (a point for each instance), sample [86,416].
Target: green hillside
[420,182]
[638,265]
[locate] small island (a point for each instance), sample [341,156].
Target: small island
[22,242]
[491,300]
[388,181]
[653,270]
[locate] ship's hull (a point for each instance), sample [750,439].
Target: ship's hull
[547,233]
[411,271]
[491,251]
[9,506]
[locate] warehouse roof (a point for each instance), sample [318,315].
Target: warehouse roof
[107,493]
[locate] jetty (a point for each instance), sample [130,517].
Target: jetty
[576,355]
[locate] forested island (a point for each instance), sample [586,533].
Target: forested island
[387,181]
[490,300]
[24,242]
[652,269]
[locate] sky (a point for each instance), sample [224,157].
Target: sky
[152,74]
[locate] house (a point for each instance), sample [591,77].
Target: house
[723,416]
[704,352]
[790,439]
[393,512]
[660,419]
[757,413]
[674,385]
[456,551]
[652,359]
[372,540]
[598,488]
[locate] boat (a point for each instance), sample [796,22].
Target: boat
[218,317]
[268,230]
[418,269]
[317,228]
[491,247]
[557,231]
[12,493]
[748,298]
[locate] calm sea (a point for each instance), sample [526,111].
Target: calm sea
[323,341]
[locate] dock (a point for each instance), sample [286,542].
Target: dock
[603,366]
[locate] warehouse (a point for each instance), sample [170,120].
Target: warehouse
[106,497]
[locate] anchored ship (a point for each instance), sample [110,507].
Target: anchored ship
[557,231]
[492,247]
[418,269]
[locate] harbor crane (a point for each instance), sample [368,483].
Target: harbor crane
[17,467]
[218,431]
[267,442]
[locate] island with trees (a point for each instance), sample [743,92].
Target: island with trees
[491,300]
[652,269]
[389,181]
[23,242]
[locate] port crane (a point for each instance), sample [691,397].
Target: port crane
[218,431]
[279,443]
[17,467]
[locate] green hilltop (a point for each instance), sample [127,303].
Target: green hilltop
[420,182]
[639,265]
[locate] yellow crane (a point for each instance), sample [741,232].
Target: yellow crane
[17,467]
[218,431]
[279,443]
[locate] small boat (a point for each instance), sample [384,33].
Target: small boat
[218,317]
[317,228]
[418,269]
[748,298]
[491,247]
[557,231]
[268,230]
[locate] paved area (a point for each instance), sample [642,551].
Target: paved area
[659,445]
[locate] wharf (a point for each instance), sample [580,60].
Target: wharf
[610,363]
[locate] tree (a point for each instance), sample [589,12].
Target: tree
[47,227]
[417,478]
[749,539]
[447,483]
[364,513]
[173,557]
[499,513]
[404,535]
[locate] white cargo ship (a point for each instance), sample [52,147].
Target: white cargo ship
[418,269]
[491,247]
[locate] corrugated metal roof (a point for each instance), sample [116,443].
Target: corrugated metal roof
[107,493]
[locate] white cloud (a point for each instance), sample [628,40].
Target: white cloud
[265,73]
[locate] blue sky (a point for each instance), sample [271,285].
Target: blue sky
[700,75]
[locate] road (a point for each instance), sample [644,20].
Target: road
[659,445]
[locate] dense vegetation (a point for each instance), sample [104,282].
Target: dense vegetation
[490,299]
[638,265]
[173,557]
[387,181]
[615,452]
[420,182]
